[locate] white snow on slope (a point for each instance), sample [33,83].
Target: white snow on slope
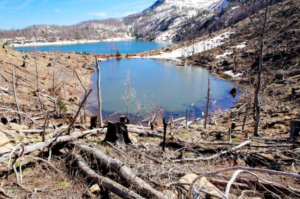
[196,48]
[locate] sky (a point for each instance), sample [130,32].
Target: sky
[18,14]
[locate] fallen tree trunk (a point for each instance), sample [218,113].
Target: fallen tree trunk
[29,131]
[144,133]
[113,186]
[122,170]
[214,156]
[47,143]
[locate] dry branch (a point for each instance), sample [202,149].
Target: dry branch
[47,143]
[214,156]
[240,168]
[82,103]
[122,170]
[113,186]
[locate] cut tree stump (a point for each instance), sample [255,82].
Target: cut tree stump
[93,122]
[117,133]
[295,129]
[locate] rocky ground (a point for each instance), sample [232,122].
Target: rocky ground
[270,163]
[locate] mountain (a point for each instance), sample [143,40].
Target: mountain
[164,21]
[165,18]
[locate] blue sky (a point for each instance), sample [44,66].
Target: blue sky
[17,14]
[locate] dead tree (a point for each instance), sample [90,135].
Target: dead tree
[130,93]
[260,28]
[100,121]
[36,71]
[207,102]
[15,92]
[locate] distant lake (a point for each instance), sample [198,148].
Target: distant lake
[128,46]
[161,84]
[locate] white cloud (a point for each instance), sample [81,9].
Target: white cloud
[98,14]
[57,10]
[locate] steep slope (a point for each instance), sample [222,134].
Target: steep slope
[165,18]
[164,21]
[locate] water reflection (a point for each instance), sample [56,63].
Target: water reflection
[162,84]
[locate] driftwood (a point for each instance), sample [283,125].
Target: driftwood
[122,170]
[113,186]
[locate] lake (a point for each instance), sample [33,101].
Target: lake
[159,84]
[128,46]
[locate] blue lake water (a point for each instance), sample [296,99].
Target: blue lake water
[129,46]
[161,84]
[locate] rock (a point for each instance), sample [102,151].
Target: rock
[203,183]
[4,120]
[225,63]
[95,189]
[133,138]
[170,194]
[5,145]
[13,126]
[21,137]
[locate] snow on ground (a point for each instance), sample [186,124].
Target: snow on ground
[241,45]
[224,54]
[196,48]
[231,74]
[165,36]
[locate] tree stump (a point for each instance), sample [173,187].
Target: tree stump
[295,129]
[117,133]
[94,122]
[125,120]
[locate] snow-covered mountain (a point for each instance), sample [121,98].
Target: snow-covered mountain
[165,18]
[164,21]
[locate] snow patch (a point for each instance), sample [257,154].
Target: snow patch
[231,74]
[194,49]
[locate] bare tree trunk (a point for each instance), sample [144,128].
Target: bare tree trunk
[260,28]
[53,80]
[207,102]
[75,118]
[36,70]
[15,93]
[100,121]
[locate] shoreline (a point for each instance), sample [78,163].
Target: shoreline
[68,42]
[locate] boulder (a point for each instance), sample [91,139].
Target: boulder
[95,189]
[202,183]
[5,145]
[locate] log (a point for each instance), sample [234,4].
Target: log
[113,186]
[145,133]
[122,170]
[240,168]
[29,131]
[41,145]
[212,157]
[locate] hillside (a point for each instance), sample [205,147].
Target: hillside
[183,160]
[168,20]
